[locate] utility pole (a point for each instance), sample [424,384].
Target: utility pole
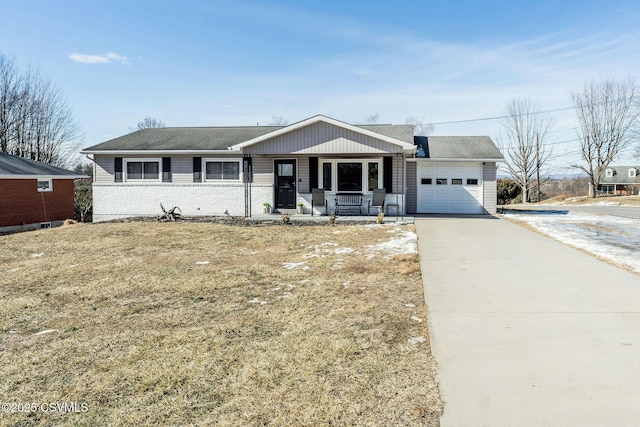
[537,169]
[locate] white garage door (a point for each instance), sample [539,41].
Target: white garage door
[449,188]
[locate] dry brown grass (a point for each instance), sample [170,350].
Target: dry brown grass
[146,336]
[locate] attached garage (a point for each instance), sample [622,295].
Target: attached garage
[449,188]
[453,175]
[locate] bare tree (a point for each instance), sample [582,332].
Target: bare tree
[522,139]
[607,113]
[372,119]
[83,194]
[420,128]
[148,123]
[278,121]
[35,119]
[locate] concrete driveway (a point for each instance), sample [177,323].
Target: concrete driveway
[527,331]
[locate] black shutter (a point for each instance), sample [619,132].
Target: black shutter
[197,169]
[166,169]
[117,169]
[313,173]
[247,169]
[387,174]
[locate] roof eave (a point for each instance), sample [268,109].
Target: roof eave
[157,152]
[456,159]
[42,176]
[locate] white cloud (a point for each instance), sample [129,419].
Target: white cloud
[107,58]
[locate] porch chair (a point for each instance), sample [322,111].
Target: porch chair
[317,199]
[377,200]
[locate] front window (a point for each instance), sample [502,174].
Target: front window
[373,176]
[143,170]
[45,185]
[222,170]
[609,173]
[326,176]
[350,176]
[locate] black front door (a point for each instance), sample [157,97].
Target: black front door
[285,184]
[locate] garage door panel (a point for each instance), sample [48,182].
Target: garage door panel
[449,197]
[457,195]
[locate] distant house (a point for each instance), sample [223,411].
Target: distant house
[235,170]
[32,192]
[620,181]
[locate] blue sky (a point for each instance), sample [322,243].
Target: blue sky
[208,63]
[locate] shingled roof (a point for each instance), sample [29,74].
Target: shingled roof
[457,147]
[215,138]
[621,175]
[183,138]
[18,167]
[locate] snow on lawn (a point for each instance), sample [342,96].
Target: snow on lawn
[402,242]
[328,248]
[295,265]
[613,238]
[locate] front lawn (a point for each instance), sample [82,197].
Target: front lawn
[212,324]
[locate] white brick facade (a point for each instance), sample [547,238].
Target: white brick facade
[118,200]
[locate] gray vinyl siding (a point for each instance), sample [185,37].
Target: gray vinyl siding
[104,168]
[303,175]
[398,171]
[490,191]
[262,170]
[182,170]
[412,188]
[323,138]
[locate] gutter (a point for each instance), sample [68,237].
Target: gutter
[423,159]
[157,152]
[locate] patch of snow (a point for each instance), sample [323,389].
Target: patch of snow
[417,340]
[285,295]
[614,238]
[327,248]
[276,289]
[257,301]
[417,319]
[202,262]
[12,332]
[404,242]
[46,331]
[345,285]
[606,204]
[13,270]
[409,305]
[295,265]
[37,255]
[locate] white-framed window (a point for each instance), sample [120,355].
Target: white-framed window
[45,184]
[350,175]
[222,170]
[609,173]
[632,173]
[142,169]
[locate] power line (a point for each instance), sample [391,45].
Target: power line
[500,117]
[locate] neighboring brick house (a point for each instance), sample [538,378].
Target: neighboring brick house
[32,192]
[234,170]
[620,181]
